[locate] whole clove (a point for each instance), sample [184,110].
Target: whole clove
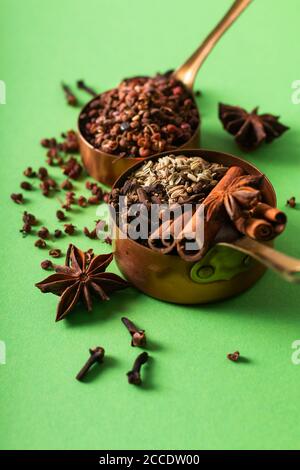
[233,356]
[96,356]
[138,337]
[82,86]
[70,97]
[134,375]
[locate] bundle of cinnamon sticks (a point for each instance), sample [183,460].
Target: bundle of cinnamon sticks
[236,199]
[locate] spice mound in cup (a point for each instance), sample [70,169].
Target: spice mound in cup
[179,205]
[141,117]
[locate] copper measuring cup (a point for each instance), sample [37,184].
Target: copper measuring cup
[106,167]
[228,269]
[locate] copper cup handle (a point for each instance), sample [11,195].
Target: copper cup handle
[286,266]
[188,71]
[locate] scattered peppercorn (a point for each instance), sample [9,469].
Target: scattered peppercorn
[233,356]
[71,143]
[291,202]
[70,197]
[66,185]
[29,172]
[42,173]
[82,201]
[25,185]
[43,233]
[89,185]
[60,215]
[40,243]
[57,233]
[48,143]
[45,187]
[93,200]
[29,218]
[17,198]
[26,228]
[55,253]
[72,168]
[47,264]
[52,183]
[69,229]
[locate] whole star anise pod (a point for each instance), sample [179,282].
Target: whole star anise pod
[240,195]
[250,129]
[80,278]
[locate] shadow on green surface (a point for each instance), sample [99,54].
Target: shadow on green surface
[103,310]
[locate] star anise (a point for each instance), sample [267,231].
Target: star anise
[81,277]
[239,196]
[250,129]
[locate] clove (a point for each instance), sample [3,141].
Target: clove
[138,337]
[134,375]
[97,355]
[70,97]
[82,86]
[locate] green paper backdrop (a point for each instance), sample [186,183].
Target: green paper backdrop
[193,397]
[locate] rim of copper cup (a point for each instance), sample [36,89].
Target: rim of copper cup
[137,159]
[268,189]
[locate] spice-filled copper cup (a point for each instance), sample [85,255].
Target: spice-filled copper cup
[227,269]
[106,167]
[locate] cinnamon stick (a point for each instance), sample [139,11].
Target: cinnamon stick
[200,231]
[259,229]
[164,238]
[272,214]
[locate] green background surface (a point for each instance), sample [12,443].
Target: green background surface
[193,397]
